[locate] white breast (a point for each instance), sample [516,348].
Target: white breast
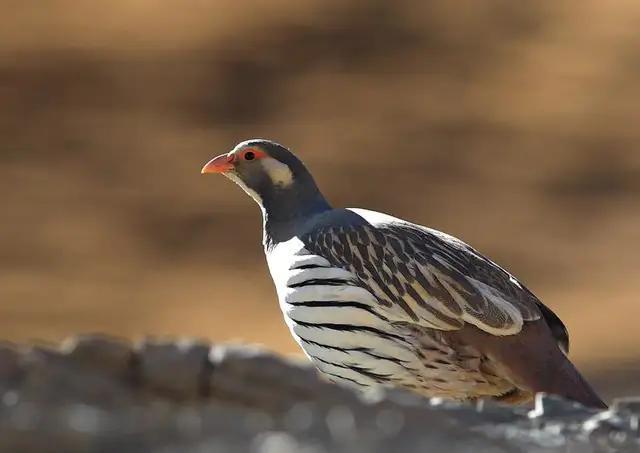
[337,322]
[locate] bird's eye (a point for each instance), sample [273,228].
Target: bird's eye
[249,155]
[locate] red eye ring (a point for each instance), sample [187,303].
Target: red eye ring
[250,154]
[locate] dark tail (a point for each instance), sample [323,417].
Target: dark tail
[533,361]
[568,382]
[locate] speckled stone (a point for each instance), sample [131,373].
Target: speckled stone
[56,377]
[175,369]
[552,406]
[254,376]
[629,404]
[102,394]
[11,370]
[103,354]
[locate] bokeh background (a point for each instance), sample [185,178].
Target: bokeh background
[513,125]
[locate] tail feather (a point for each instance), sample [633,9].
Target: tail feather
[568,382]
[533,361]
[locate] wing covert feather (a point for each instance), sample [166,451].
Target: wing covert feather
[425,277]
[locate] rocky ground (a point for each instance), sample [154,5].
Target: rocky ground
[100,394]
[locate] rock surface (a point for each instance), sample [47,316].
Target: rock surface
[102,394]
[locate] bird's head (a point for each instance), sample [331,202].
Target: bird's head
[271,174]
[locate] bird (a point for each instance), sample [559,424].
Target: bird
[377,301]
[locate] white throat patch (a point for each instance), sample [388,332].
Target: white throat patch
[279,173]
[252,193]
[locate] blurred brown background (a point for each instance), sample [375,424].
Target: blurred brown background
[513,125]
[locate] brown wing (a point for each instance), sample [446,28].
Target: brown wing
[426,277]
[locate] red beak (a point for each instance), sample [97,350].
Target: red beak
[220,164]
